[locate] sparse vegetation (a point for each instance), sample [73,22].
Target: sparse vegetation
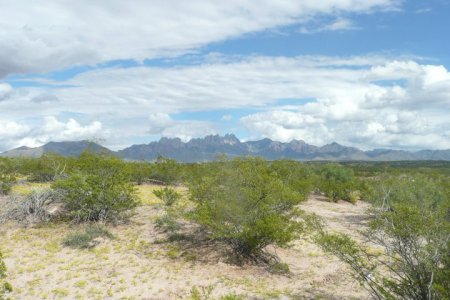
[5,286]
[249,205]
[168,195]
[87,238]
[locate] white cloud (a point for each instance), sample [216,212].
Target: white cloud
[5,91]
[14,134]
[366,101]
[54,34]
[340,24]
[163,125]
[226,117]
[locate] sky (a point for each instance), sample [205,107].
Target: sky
[363,73]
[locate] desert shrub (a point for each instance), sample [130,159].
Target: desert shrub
[168,195]
[100,191]
[295,175]
[39,206]
[165,170]
[411,226]
[201,293]
[231,297]
[86,239]
[46,168]
[245,204]
[167,223]
[5,286]
[277,267]
[337,182]
[7,182]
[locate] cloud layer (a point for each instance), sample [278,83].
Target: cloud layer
[58,34]
[366,101]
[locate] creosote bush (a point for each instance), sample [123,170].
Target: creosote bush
[168,195]
[100,190]
[338,183]
[246,205]
[410,223]
[6,183]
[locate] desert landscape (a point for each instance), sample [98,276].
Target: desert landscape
[139,263]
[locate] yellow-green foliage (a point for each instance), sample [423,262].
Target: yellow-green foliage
[29,187]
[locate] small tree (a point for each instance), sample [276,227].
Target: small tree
[245,204]
[100,190]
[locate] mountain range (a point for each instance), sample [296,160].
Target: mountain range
[209,147]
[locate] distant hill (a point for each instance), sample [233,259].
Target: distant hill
[209,147]
[71,148]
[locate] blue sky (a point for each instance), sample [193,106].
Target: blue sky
[371,74]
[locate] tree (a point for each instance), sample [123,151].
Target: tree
[99,190]
[246,205]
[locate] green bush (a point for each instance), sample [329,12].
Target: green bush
[337,182]
[168,223]
[5,287]
[296,175]
[168,195]
[84,240]
[410,223]
[7,181]
[99,191]
[279,268]
[245,204]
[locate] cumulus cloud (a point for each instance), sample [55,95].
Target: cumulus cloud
[49,36]
[412,114]
[14,134]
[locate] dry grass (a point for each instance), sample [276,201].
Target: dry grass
[140,264]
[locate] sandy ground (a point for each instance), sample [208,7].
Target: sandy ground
[141,264]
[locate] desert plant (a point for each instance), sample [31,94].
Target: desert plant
[86,239]
[7,181]
[413,234]
[5,286]
[39,206]
[100,191]
[168,195]
[168,223]
[337,182]
[246,205]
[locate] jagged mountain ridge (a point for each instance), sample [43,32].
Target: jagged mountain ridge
[207,148]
